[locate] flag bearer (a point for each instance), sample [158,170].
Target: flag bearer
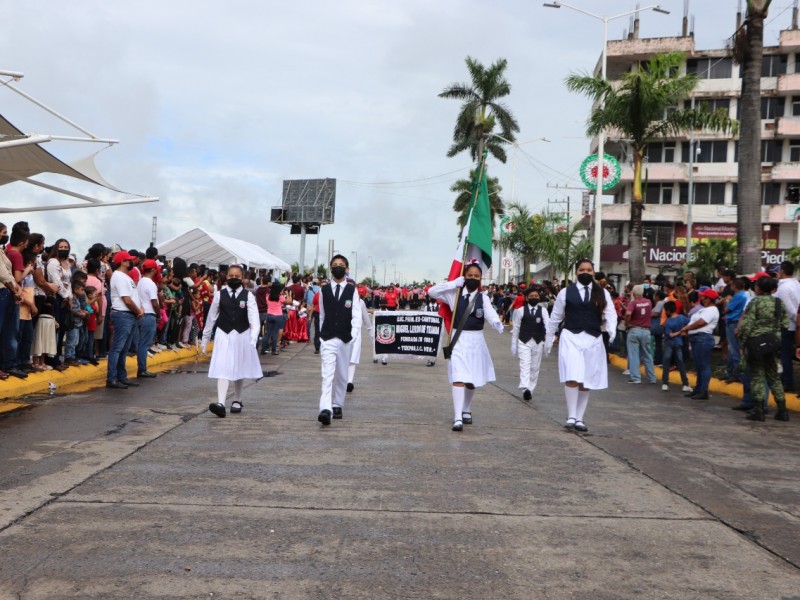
[527,340]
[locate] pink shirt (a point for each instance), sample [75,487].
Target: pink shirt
[275,307]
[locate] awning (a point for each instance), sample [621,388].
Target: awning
[200,246]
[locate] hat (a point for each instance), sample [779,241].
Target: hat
[121,256]
[149,264]
[759,275]
[709,293]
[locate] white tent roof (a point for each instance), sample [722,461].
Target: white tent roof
[200,246]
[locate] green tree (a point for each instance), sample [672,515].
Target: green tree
[565,247]
[708,255]
[645,106]
[322,271]
[482,110]
[748,50]
[463,187]
[530,235]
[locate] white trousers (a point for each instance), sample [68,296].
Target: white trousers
[335,355]
[530,359]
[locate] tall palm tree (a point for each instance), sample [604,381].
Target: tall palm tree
[530,235]
[748,50]
[463,187]
[482,110]
[565,247]
[644,107]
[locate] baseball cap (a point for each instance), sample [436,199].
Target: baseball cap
[709,293]
[149,264]
[122,255]
[759,275]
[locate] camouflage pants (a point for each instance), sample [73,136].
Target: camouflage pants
[762,373]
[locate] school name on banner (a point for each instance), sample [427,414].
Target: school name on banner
[414,333]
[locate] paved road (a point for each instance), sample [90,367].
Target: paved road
[144,494]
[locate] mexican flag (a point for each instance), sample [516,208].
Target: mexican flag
[475,242]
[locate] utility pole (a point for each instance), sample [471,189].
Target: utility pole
[153,233]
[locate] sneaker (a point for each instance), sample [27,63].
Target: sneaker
[686,389]
[633,381]
[626,372]
[664,387]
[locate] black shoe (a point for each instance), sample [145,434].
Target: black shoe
[466,418]
[275,353]
[526,395]
[146,375]
[93,361]
[17,373]
[742,407]
[337,412]
[755,416]
[782,415]
[431,363]
[218,409]
[570,424]
[350,387]
[116,385]
[316,351]
[324,417]
[458,425]
[580,426]
[698,397]
[689,394]
[27,369]
[236,406]
[129,383]
[383,362]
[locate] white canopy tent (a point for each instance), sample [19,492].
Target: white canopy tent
[200,246]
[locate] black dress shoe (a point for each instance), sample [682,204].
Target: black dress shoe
[146,375]
[580,426]
[755,416]
[526,395]
[458,425]
[116,385]
[27,369]
[466,418]
[93,361]
[698,397]
[689,394]
[324,417]
[217,408]
[570,424]
[350,387]
[337,412]
[129,383]
[742,407]
[17,373]
[236,406]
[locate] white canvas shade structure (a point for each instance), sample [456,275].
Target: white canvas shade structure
[22,158]
[203,247]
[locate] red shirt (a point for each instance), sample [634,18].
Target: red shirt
[135,274]
[640,311]
[519,302]
[391,299]
[17,264]
[315,302]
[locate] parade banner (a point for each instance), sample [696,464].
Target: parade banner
[407,332]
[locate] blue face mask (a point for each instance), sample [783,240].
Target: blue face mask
[646,286]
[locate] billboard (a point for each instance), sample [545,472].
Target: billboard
[309,202]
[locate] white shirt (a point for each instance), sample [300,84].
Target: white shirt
[709,314]
[789,293]
[122,285]
[609,314]
[147,293]
[516,320]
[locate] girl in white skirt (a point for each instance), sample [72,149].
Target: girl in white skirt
[235,358]
[586,309]
[470,365]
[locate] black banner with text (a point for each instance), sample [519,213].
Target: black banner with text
[414,333]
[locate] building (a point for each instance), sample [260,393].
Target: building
[667,163]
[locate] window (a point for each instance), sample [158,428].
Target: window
[794,151]
[793,193]
[772,107]
[704,193]
[770,193]
[796,106]
[658,193]
[661,152]
[710,68]
[657,235]
[710,104]
[706,152]
[774,65]
[771,151]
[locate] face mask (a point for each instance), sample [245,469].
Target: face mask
[646,286]
[3,240]
[338,272]
[234,282]
[471,284]
[585,278]
[63,253]
[533,301]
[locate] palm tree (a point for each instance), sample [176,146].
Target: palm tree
[481,111]
[529,236]
[708,255]
[462,202]
[566,247]
[748,47]
[643,107]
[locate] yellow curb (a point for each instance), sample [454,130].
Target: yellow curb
[9,407]
[715,385]
[39,383]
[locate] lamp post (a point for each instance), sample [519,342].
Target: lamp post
[394,273]
[355,272]
[384,271]
[598,198]
[372,269]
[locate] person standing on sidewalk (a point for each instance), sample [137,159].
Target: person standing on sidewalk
[235,358]
[527,340]
[585,308]
[148,300]
[470,364]
[765,316]
[637,322]
[339,318]
[733,312]
[673,345]
[788,293]
[125,313]
[700,329]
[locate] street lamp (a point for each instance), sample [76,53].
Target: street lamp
[598,198]
[372,270]
[355,272]
[394,273]
[384,271]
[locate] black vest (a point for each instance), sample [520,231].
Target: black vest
[475,318]
[232,314]
[338,313]
[529,327]
[580,315]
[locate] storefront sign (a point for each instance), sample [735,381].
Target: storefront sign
[677,255]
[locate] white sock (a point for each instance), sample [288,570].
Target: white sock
[572,401]
[458,402]
[222,391]
[583,402]
[351,372]
[468,395]
[237,389]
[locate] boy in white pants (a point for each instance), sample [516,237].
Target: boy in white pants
[527,340]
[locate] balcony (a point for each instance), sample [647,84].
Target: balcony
[789,126]
[786,172]
[790,40]
[788,84]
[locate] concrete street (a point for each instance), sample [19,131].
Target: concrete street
[142,493]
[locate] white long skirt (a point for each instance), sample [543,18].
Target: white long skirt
[355,356]
[471,362]
[582,358]
[233,357]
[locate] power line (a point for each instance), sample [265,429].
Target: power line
[461,170]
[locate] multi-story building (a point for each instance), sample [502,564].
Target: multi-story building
[715,169]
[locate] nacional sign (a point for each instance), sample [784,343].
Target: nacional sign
[408,332]
[672,255]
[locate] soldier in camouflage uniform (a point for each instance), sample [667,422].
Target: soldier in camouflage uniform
[759,318]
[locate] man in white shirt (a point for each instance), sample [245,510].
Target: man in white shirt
[148,300]
[700,329]
[125,312]
[789,294]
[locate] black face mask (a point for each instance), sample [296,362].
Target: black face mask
[471,284]
[338,271]
[63,253]
[234,282]
[585,278]
[533,301]
[3,240]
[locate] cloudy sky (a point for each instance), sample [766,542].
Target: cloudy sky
[216,103]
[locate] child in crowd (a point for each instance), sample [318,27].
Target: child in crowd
[673,346]
[77,327]
[92,308]
[44,341]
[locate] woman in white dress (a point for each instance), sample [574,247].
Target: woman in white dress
[470,365]
[235,358]
[586,309]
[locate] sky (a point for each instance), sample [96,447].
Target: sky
[216,103]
